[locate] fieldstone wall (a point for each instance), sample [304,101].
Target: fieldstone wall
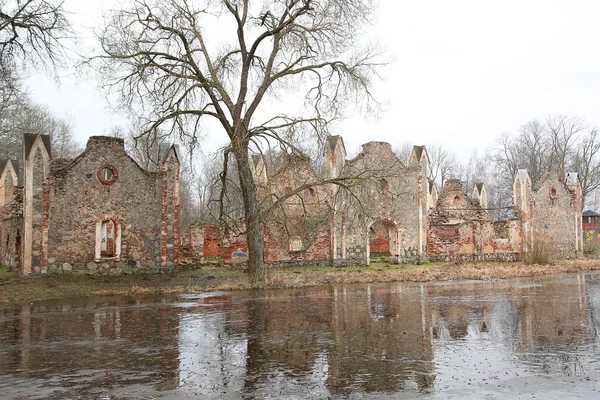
[108,215]
[392,193]
[11,218]
[169,174]
[318,222]
[391,210]
[555,217]
[298,226]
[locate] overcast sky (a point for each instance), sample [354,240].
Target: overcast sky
[464,71]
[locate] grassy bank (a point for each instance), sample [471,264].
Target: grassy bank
[18,290]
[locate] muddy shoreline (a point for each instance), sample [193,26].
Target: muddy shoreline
[16,290]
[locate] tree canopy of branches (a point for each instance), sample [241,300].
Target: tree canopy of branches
[28,117]
[32,32]
[182,62]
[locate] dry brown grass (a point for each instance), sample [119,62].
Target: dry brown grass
[543,252]
[425,273]
[591,248]
[17,290]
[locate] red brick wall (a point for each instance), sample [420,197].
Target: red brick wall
[316,247]
[213,244]
[380,238]
[235,247]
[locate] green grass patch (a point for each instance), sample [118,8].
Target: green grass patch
[5,273]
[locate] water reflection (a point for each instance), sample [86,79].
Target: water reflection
[436,340]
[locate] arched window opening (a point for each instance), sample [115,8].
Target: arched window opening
[108,238]
[309,192]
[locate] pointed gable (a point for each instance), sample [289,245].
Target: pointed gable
[164,149]
[29,140]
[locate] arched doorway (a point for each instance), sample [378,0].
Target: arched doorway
[383,241]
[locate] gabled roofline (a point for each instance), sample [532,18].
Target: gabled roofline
[29,140]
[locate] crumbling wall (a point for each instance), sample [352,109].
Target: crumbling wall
[459,229]
[11,230]
[298,219]
[554,218]
[81,199]
[389,191]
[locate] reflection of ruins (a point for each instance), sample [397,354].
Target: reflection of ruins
[89,344]
[382,344]
[545,325]
[331,341]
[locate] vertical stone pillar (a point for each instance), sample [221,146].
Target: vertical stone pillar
[36,209]
[343,233]
[169,175]
[420,216]
[333,235]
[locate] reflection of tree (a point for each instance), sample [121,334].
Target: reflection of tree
[373,344]
[334,340]
[285,335]
[256,365]
[379,345]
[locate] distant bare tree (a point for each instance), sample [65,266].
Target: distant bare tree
[444,164]
[534,149]
[562,144]
[32,33]
[28,117]
[586,162]
[403,151]
[564,132]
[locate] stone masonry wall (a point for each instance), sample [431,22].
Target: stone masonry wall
[80,201]
[459,230]
[553,215]
[11,230]
[391,194]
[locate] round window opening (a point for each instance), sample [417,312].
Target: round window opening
[108,175]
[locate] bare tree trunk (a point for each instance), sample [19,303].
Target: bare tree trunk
[254,223]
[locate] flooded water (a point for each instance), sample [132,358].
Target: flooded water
[524,338]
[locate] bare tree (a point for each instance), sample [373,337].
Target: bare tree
[403,151]
[32,32]
[534,149]
[444,164]
[169,67]
[28,117]
[587,163]
[563,131]
[562,144]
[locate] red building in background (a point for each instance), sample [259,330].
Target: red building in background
[590,224]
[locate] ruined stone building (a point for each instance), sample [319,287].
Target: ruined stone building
[393,211]
[97,212]
[102,213]
[460,229]
[550,211]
